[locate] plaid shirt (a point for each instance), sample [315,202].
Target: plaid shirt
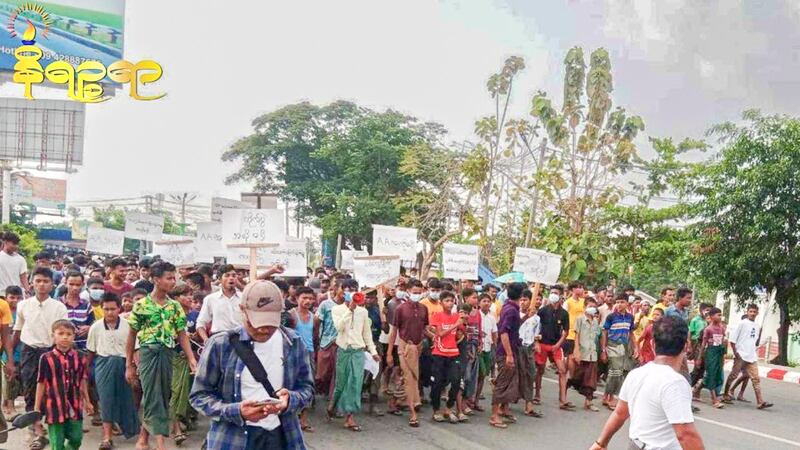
[217,393]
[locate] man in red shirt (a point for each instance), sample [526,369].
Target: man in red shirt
[445,360]
[116,283]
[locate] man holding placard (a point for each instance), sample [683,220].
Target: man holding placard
[221,308]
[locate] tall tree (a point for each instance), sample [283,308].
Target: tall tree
[748,218]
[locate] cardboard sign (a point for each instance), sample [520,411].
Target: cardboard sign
[394,241]
[181,253]
[460,261]
[104,240]
[538,266]
[291,255]
[208,243]
[370,271]
[145,227]
[219,204]
[248,226]
[347,258]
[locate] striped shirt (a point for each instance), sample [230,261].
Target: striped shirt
[80,315]
[62,374]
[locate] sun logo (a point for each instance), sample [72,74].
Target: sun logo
[29,36]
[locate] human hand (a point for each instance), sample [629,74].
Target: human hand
[596,446]
[89,408]
[253,411]
[603,356]
[389,360]
[510,361]
[376,358]
[283,403]
[130,374]
[192,365]
[11,369]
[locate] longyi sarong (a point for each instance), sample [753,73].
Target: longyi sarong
[180,386]
[116,396]
[506,387]
[409,363]
[325,373]
[471,370]
[526,369]
[584,379]
[349,380]
[155,374]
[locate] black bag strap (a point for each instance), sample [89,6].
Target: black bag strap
[248,356]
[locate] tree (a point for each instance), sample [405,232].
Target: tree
[114,218]
[748,215]
[29,243]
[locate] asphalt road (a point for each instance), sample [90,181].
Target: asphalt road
[739,426]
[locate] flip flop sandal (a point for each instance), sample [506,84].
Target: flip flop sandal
[592,408]
[500,425]
[438,418]
[452,418]
[180,438]
[106,445]
[463,418]
[567,407]
[610,408]
[468,411]
[727,400]
[765,405]
[307,428]
[718,405]
[39,443]
[743,400]
[534,413]
[354,428]
[395,412]
[509,417]
[536,401]
[329,414]
[479,408]
[413,423]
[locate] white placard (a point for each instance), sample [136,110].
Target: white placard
[146,227]
[208,243]
[460,261]
[394,241]
[347,258]
[177,254]
[240,257]
[538,266]
[104,240]
[219,204]
[249,226]
[291,255]
[370,272]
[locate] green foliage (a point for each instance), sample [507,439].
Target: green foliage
[345,167]
[114,218]
[29,243]
[748,218]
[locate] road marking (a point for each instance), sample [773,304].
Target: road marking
[725,425]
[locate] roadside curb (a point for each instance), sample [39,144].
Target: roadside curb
[785,375]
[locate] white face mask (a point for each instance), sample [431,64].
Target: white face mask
[401,294]
[591,310]
[434,295]
[553,299]
[416,297]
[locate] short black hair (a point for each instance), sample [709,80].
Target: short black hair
[348,283]
[484,296]
[199,297]
[10,236]
[412,283]
[575,284]
[621,296]
[72,274]
[682,292]
[13,290]
[44,271]
[94,280]
[670,334]
[446,294]
[434,283]
[668,288]
[205,270]
[628,288]
[514,290]
[714,310]
[111,297]
[41,255]
[304,290]
[146,286]
[62,323]
[527,294]
[225,268]
[282,285]
[116,262]
[196,278]
[752,306]
[467,292]
[558,288]
[159,268]
[145,263]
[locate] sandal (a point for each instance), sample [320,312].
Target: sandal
[765,405]
[307,428]
[592,408]
[478,408]
[509,417]
[413,423]
[463,418]
[180,438]
[743,400]
[570,407]
[534,413]
[39,443]
[438,418]
[452,418]
[106,445]
[468,411]
[355,428]
[718,405]
[395,412]
[536,401]
[500,425]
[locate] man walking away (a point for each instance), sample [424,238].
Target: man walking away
[744,340]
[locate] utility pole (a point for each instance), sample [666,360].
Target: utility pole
[535,204]
[183,199]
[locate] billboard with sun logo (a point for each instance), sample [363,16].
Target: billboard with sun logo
[73,31]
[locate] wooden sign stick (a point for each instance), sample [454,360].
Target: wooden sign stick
[536,288]
[253,255]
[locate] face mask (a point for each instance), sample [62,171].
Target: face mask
[416,297]
[553,299]
[478,288]
[434,295]
[401,294]
[348,297]
[591,310]
[95,294]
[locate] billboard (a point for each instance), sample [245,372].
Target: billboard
[44,131]
[46,193]
[66,30]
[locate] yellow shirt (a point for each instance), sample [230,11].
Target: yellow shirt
[643,321]
[658,305]
[98,312]
[433,308]
[496,308]
[575,308]
[5,313]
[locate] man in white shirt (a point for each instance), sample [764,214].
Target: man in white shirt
[657,398]
[486,355]
[744,340]
[221,308]
[13,268]
[35,318]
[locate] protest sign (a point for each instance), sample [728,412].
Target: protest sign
[208,243]
[104,240]
[290,254]
[219,204]
[460,261]
[538,265]
[397,241]
[370,271]
[249,226]
[145,227]
[347,258]
[178,252]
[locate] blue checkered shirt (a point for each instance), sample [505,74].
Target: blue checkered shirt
[217,393]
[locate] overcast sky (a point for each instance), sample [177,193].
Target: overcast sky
[682,65]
